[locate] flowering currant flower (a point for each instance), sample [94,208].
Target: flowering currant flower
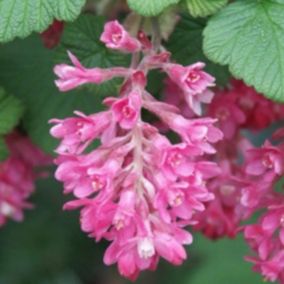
[71,77]
[265,159]
[116,37]
[17,176]
[137,190]
[193,82]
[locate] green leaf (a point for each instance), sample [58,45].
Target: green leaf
[19,18]
[11,111]
[185,44]
[150,8]
[249,37]
[28,75]
[82,38]
[3,149]
[203,8]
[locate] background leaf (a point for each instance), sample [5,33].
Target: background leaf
[82,38]
[19,18]
[27,73]
[11,111]
[4,152]
[150,8]
[185,44]
[249,37]
[203,8]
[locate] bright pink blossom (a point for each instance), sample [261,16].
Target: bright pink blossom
[230,116]
[116,37]
[264,159]
[194,82]
[71,77]
[126,111]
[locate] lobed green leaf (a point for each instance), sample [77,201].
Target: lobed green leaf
[249,37]
[19,18]
[149,8]
[203,8]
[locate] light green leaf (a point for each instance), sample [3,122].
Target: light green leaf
[11,111]
[82,38]
[203,8]
[249,37]
[3,150]
[19,18]
[185,44]
[28,75]
[150,8]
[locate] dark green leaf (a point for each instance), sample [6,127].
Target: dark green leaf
[3,149]
[11,111]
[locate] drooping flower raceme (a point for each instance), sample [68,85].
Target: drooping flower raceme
[137,190]
[17,176]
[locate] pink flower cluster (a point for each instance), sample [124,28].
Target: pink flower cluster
[266,238]
[249,177]
[137,190]
[17,176]
[238,190]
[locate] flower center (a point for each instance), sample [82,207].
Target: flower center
[177,200]
[267,161]
[119,223]
[98,183]
[222,114]
[116,38]
[175,159]
[192,77]
[128,112]
[145,248]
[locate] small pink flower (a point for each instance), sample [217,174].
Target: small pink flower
[230,116]
[264,159]
[126,111]
[194,83]
[78,132]
[71,77]
[199,132]
[116,37]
